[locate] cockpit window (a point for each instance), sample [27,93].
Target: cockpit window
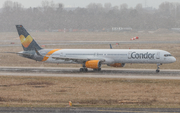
[167,55]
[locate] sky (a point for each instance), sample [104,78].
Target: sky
[84,3]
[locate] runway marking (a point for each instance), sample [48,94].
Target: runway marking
[105,73]
[88,76]
[123,111]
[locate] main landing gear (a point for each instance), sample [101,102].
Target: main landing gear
[84,69]
[157,71]
[99,69]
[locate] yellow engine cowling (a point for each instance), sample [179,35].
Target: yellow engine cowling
[117,65]
[93,64]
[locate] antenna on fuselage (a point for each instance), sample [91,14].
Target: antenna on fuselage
[110,46]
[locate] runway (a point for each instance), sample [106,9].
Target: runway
[54,43]
[89,110]
[105,73]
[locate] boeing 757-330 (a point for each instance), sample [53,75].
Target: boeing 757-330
[91,58]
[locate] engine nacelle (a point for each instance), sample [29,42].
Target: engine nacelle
[93,64]
[117,65]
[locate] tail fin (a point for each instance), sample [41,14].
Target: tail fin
[28,43]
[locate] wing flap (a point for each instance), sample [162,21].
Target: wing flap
[79,60]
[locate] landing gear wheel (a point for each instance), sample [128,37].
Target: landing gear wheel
[83,70]
[157,71]
[99,69]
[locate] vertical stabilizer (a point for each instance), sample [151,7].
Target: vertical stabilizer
[28,43]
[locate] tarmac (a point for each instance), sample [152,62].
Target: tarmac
[74,72]
[88,110]
[105,73]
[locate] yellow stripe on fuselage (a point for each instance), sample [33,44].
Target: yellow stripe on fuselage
[49,54]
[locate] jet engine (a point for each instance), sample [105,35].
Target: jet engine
[117,65]
[93,64]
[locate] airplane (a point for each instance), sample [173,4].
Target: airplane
[91,58]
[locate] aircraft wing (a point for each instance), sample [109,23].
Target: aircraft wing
[79,60]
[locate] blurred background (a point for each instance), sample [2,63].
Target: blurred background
[54,16]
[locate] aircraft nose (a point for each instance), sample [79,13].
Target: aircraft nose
[173,59]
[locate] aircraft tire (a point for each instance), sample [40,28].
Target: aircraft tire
[85,69]
[81,70]
[157,71]
[99,69]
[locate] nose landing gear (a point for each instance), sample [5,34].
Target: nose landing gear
[157,70]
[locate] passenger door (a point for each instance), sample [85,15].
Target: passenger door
[158,55]
[129,55]
[62,54]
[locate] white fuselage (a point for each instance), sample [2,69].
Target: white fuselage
[111,56]
[90,58]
